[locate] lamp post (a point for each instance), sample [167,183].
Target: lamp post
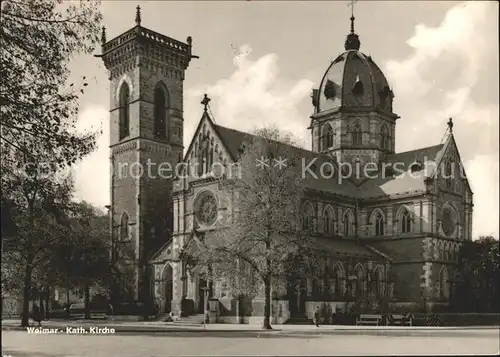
[205,312]
[238,290]
[111,253]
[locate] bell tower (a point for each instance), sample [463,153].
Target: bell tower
[353,119]
[146,72]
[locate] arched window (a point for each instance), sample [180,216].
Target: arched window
[357,88]
[226,167]
[201,162]
[449,174]
[405,221]
[379,224]
[307,217]
[441,250]
[210,160]
[336,283]
[378,281]
[160,122]
[358,284]
[328,136]
[124,111]
[446,252]
[347,222]
[444,288]
[124,227]
[357,138]
[329,221]
[384,138]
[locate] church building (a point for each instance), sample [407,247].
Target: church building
[394,235]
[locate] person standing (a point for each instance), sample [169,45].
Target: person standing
[37,316]
[317,316]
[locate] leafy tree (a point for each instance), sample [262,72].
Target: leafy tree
[261,243]
[38,39]
[38,137]
[476,282]
[90,251]
[40,200]
[81,259]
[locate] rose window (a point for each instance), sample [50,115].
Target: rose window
[206,209]
[449,221]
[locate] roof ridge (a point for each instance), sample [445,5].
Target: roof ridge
[422,148]
[273,140]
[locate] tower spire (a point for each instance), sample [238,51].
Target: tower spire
[351,4]
[103,36]
[138,15]
[352,41]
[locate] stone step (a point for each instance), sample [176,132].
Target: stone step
[299,321]
[192,319]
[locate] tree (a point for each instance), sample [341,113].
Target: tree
[81,260]
[40,201]
[38,136]
[38,39]
[476,282]
[262,243]
[90,251]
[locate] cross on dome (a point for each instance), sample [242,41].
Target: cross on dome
[352,41]
[351,5]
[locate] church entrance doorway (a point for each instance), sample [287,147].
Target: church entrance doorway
[167,278]
[297,301]
[202,284]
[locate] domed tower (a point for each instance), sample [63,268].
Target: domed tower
[353,119]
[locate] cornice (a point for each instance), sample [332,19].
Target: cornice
[141,47]
[124,146]
[339,111]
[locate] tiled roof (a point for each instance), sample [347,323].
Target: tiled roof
[383,185]
[234,138]
[405,181]
[408,157]
[345,248]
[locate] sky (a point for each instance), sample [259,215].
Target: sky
[259,61]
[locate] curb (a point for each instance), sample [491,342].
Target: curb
[374,330]
[147,329]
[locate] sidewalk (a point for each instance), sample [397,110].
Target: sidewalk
[160,326]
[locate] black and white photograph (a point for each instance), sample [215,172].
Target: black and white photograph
[249,178]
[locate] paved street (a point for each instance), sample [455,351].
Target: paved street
[285,342]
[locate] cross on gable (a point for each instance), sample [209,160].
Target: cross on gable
[205,102]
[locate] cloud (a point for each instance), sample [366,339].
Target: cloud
[92,173]
[253,96]
[449,73]
[482,172]
[442,78]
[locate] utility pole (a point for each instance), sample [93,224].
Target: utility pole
[205,310]
[238,290]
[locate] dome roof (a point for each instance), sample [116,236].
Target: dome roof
[353,81]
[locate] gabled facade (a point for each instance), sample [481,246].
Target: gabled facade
[393,230]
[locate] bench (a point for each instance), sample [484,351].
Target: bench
[369,320]
[400,320]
